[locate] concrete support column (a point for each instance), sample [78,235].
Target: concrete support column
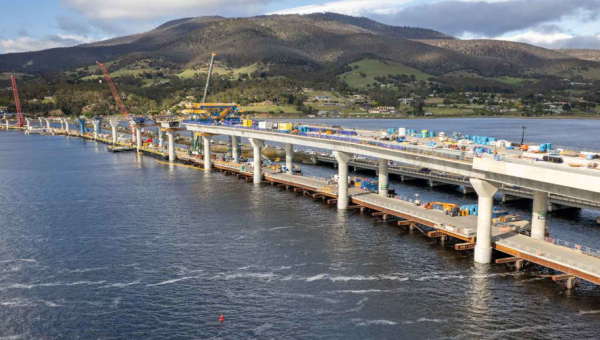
[171,136]
[7,125]
[257,146]
[67,128]
[383,177]
[48,124]
[207,159]
[138,137]
[96,128]
[41,122]
[486,191]
[161,140]
[114,124]
[28,123]
[133,134]
[289,157]
[540,212]
[342,159]
[235,149]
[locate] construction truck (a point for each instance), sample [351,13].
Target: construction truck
[450,209]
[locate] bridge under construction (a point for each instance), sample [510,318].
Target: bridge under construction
[485,174]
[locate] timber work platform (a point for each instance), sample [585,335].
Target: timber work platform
[569,261]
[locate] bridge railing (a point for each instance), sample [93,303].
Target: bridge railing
[404,148]
[544,255]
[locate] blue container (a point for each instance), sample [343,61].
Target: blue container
[542,147]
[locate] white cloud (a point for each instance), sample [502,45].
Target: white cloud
[28,44]
[350,7]
[152,9]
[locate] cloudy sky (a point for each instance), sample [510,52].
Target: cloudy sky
[30,25]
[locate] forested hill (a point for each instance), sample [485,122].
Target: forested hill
[315,43]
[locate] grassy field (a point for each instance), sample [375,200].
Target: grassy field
[375,68]
[511,80]
[506,80]
[6,75]
[271,108]
[592,73]
[189,73]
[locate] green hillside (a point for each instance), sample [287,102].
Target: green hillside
[376,68]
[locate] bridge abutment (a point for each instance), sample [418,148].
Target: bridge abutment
[486,191]
[342,159]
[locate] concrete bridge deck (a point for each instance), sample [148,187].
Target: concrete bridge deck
[463,181]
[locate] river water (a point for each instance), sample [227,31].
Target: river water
[95,245]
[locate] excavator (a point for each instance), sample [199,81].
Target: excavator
[449,208]
[228,113]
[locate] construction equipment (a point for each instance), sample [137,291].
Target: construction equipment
[448,208]
[113,89]
[210,68]
[203,112]
[17,101]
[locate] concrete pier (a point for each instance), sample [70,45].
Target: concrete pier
[171,137]
[383,177]
[342,159]
[235,148]
[257,146]
[161,140]
[67,127]
[28,123]
[41,122]
[207,159]
[540,213]
[96,124]
[289,157]
[114,124]
[48,124]
[138,137]
[486,191]
[467,190]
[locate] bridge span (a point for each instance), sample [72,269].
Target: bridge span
[486,174]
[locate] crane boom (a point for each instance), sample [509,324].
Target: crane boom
[113,89]
[17,101]
[212,60]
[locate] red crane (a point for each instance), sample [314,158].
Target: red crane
[17,101]
[113,89]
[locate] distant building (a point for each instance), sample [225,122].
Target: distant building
[323,98]
[406,101]
[322,113]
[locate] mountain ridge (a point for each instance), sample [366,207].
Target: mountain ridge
[314,42]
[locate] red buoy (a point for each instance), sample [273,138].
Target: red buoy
[222,318]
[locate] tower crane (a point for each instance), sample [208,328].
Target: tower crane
[113,89]
[17,101]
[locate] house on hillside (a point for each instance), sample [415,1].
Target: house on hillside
[323,98]
[406,101]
